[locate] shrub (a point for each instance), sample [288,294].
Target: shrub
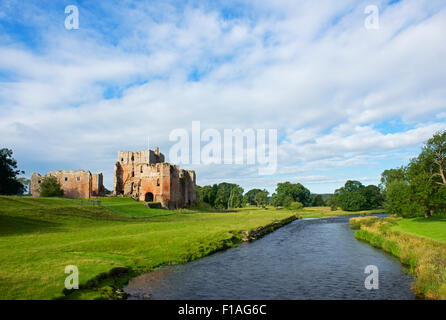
[50,187]
[295,205]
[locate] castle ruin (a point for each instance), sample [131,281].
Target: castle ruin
[75,183]
[144,176]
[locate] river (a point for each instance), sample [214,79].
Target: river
[306,259]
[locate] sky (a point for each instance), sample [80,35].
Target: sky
[347,102]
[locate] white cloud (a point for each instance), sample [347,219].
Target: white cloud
[309,69]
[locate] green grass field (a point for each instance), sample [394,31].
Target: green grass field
[39,237]
[434,227]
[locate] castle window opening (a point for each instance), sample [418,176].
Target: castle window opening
[78,178]
[158,182]
[66,179]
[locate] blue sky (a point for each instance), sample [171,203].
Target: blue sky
[347,102]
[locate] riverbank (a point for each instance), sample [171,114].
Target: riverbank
[413,242]
[306,259]
[39,237]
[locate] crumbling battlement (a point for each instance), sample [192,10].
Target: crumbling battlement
[75,183]
[144,176]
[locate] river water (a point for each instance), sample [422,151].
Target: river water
[306,259]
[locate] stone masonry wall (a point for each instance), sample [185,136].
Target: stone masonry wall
[75,183]
[145,176]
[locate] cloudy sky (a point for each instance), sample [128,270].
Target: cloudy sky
[347,102]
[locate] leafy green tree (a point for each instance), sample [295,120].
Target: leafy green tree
[355,196]
[250,196]
[50,187]
[9,184]
[436,150]
[420,186]
[397,197]
[295,191]
[287,201]
[317,200]
[373,196]
[274,201]
[391,175]
[235,197]
[261,198]
[208,194]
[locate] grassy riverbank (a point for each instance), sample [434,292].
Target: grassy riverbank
[418,243]
[40,236]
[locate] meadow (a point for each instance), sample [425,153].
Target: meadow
[111,242]
[39,237]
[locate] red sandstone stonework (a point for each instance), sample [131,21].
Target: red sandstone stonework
[74,183]
[145,176]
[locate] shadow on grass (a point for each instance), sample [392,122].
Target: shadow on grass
[10,225]
[430,219]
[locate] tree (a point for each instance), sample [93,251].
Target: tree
[208,194]
[250,196]
[436,148]
[354,196]
[373,196]
[397,197]
[9,184]
[317,200]
[261,198]
[274,200]
[421,185]
[50,187]
[391,175]
[295,191]
[235,197]
[287,201]
[224,195]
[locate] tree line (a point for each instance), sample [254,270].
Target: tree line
[419,187]
[289,195]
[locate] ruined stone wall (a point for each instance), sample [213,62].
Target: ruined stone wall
[77,184]
[97,184]
[145,176]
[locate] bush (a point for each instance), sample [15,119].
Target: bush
[50,187]
[295,205]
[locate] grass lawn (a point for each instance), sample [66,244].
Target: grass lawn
[40,236]
[434,227]
[130,208]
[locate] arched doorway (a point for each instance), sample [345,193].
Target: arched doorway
[148,197]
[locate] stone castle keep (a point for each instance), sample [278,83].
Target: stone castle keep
[75,183]
[145,176]
[142,175]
